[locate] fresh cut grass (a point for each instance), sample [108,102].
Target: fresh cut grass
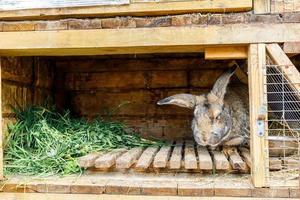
[45,142]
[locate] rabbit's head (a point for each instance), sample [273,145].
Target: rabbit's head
[212,121]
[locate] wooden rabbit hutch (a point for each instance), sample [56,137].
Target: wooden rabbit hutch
[96,55]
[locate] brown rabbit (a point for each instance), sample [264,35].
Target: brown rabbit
[219,120]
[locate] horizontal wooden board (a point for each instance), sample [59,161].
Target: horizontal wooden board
[134,63]
[127,103]
[145,40]
[133,9]
[291,47]
[222,53]
[35,4]
[142,79]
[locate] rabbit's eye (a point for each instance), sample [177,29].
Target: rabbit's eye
[218,117]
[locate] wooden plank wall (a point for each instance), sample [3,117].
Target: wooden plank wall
[25,81]
[97,85]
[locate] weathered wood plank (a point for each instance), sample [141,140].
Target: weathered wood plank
[190,160]
[146,158]
[128,159]
[236,161]
[88,160]
[275,164]
[291,163]
[291,47]
[133,9]
[246,156]
[162,157]
[36,4]
[205,161]
[258,144]
[109,159]
[175,160]
[220,161]
[222,53]
[146,40]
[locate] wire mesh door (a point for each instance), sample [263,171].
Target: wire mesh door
[283,121]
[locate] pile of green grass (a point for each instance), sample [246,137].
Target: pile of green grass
[44,142]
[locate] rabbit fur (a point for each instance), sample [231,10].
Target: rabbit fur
[220,117]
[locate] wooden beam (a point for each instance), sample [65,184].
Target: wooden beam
[258,143]
[291,48]
[222,53]
[1,128]
[142,40]
[133,9]
[262,6]
[288,68]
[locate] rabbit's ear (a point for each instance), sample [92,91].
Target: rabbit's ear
[220,86]
[182,100]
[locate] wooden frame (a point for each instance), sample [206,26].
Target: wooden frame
[168,39]
[133,9]
[258,114]
[142,40]
[281,59]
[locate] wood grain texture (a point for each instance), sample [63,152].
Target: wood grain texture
[128,159]
[190,160]
[147,157]
[175,159]
[236,161]
[205,161]
[162,157]
[146,40]
[275,164]
[291,47]
[36,4]
[222,53]
[220,161]
[245,153]
[109,159]
[88,160]
[133,9]
[258,144]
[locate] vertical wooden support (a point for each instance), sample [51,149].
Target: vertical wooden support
[262,6]
[258,115]
[1,129]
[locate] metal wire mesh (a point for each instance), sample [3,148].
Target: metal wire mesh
[283,102]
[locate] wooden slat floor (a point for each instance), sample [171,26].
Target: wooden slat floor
[180,156]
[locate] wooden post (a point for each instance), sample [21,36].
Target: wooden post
[1,130]
[258,115]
